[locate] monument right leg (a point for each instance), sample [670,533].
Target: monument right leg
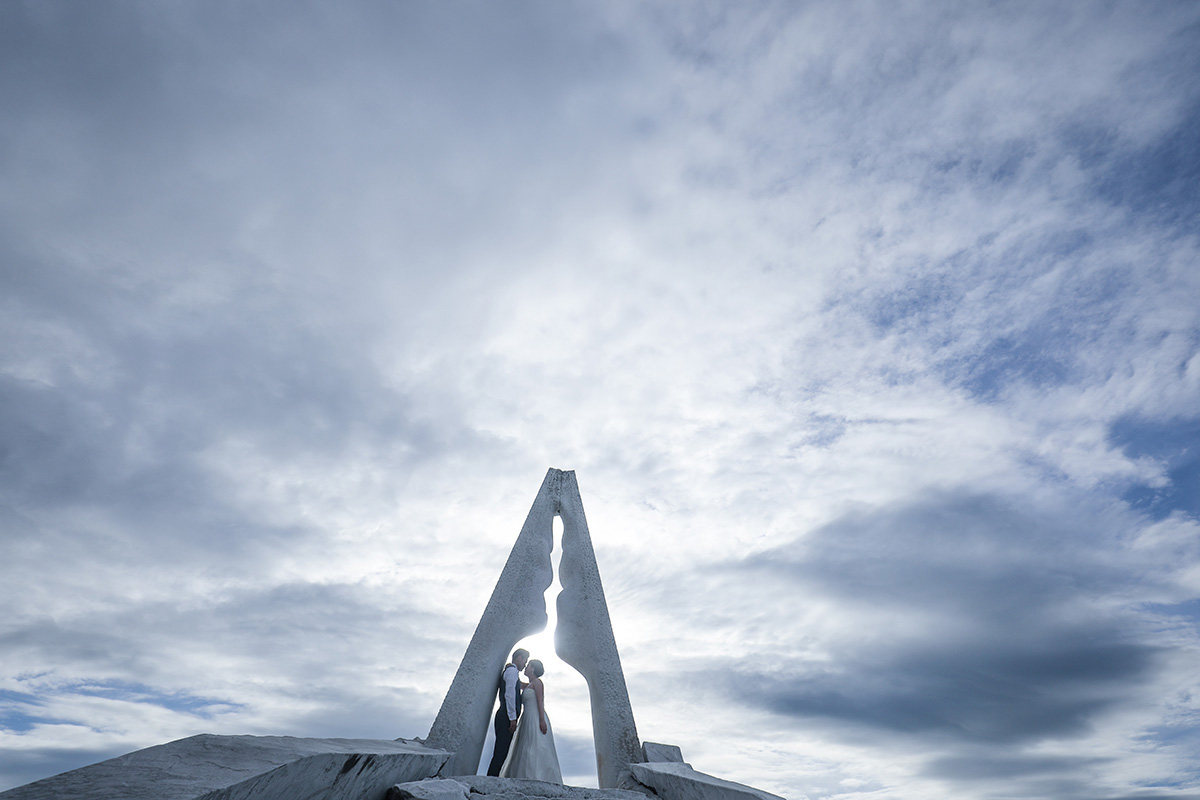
[584,639]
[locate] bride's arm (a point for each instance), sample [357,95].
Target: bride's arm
[539,691]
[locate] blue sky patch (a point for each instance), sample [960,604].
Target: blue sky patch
[140,693]
[18,710]
[1176,444]
[1160,181]
[1006,361]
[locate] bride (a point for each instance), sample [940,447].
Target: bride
[532,755]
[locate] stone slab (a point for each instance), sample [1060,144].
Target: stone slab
[430,789]
[653,751]
[512,789]
[213,767]
[676,781]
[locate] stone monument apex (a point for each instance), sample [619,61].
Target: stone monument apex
[584,637]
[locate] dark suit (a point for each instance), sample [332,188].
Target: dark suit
[503,734]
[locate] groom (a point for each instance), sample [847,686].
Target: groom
[510,708]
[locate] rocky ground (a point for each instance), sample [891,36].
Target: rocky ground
[217,767]
[477,787]
[663,780]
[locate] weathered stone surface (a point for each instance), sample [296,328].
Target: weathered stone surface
[510,789]
[430,789]
[584,639]
[653,751]
[516,609]
[676,781]
[626,781]
[210,767]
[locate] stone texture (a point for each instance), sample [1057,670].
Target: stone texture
[584,639]
[509,789]
[517,609]
[430,789]
[653,751]
[677,781]
[210,767]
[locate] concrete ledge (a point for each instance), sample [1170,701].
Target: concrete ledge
[212,767]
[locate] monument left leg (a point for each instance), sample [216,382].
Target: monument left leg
[516,609]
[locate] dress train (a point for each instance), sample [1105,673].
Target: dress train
[532,755]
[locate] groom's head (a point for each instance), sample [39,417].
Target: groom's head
[520,657]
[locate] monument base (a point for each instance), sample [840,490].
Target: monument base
[678,781]
[661,781]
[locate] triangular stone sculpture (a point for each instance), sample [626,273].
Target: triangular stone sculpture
[584,638]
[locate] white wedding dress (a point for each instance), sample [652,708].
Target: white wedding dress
[532,755]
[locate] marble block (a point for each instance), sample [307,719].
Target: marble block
[430,789]
[484,787]
[211,767]
[676,781]
[653,751]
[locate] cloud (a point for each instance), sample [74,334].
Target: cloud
[250,662]
[1002,695]
[951,623]
[870,332]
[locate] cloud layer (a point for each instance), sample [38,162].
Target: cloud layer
[871,333]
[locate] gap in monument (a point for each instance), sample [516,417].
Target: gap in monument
[568,703]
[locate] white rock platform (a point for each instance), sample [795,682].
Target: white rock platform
[212,767]
[674,780]
[661,781]
[484,787]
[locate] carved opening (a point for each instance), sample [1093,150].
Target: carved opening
[567,699]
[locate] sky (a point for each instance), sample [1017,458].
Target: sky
[871,331]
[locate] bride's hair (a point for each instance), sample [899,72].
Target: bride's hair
[538,669]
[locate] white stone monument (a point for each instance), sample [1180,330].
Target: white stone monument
[209,767]
[584,637]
